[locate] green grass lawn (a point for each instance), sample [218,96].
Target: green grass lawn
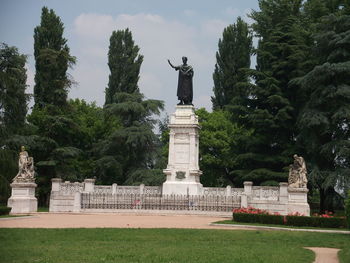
[230,222]
[163,245]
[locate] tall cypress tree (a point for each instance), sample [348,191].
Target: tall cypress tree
[13,99]
[324,120]
[130,147]
[124,62]
[233,55]
[52,60]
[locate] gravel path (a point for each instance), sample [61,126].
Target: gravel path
[50,220]
[325,255]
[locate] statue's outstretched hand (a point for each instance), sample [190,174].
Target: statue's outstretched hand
[171,65]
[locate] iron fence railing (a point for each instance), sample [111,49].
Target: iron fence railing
[159,202]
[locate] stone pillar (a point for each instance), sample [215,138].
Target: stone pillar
[228,190]
[246,195]
[114,189]
[244,200]
[142,187]
[55,187]
[248,188]
[283,193]
[89,185]
[182,172]
[297,201]
[77,202]
[23,198]
[55,191]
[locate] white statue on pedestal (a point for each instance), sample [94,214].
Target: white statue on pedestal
[25,167]
[23,198]
[297,173]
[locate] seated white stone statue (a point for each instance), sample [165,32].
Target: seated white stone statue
[25,167]
[297,173]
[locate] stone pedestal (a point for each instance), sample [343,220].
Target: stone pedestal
[182,172]
[297,201]
[23,198]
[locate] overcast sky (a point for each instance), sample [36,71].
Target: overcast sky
[162,29]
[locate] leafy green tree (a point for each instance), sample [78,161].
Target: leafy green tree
[131,147]
[233,55]
[52,60]
[219,146]
[324,121]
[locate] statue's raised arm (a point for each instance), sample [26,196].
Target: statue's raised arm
[171,65]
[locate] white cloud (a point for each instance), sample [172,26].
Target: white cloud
[214,27]
[93,26]
[231,11]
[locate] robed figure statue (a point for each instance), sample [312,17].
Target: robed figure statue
[185,86]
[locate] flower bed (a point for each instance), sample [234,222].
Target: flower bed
[253,215]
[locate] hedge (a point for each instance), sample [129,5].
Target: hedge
[347,208]
[258,218]
[306,221]
[315,221]
[4,210]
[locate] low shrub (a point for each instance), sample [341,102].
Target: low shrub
[347,209]
[316,221]
[258,218]
[254,215]
[4,210]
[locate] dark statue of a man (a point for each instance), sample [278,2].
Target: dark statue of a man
[185,86]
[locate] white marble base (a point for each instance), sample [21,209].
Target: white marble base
[182,172]
[297,201]
[182,188]
[23,198]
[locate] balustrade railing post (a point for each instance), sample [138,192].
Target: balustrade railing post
[89,185]
[142,188]
[114,189]
[283,192]
[228,190]
[77,202]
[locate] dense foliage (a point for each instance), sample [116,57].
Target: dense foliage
[296,100]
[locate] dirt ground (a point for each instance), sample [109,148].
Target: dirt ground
[52,220]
